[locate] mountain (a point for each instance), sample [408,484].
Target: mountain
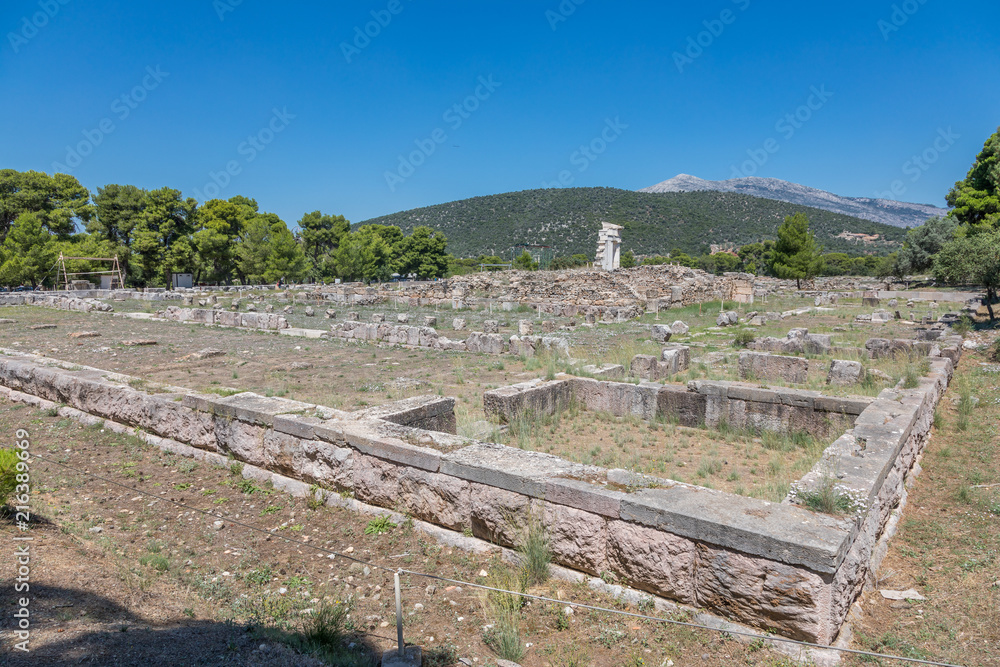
[568,219]
[888,211]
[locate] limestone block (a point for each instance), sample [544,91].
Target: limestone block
[330,314]
[578,539]
[458,324]
[378,318]
[430,321]
[499,515]
[653,560]
[491,326]
[765,367]
[661,333]
[353,317]
[680,328]
[402,318]
[309,311]
[844,373]
[524,327]
[677,356]
[686,406]
[763,592]
[727,319]
[643,366]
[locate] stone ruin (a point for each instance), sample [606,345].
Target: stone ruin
[609,241]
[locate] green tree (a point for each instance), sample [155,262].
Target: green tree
[972,258]
[424,253]
[628,260]
[976,199]
[524,262]
[28,253]
[922,243]
[796,255]
[220,223]
[286,259]
[60,200]
[363,255]
[321,236]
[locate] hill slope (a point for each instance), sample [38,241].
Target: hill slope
[568,219]
[890,212]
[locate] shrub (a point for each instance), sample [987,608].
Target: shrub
[963,326]
[8,474]
[536,553]
[743,338]
[382,524]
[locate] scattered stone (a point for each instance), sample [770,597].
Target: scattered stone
[908,594]
[491,327]
[310,312]
[330,314]
[219,525]
[458,324]
[207,353]
[727,319]
[38,327]
[353,317]
[251,308]
[844,373]
[269,308]
[287,310]
[96,529]
[402,318]
[6,321]
[679,328]
[138,343]
[662,333]
[879,375]
[893,303]
[84,334]
[299,366]
[524,328]
[430,321]
[378,318]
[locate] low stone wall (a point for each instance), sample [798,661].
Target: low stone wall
[700,403]
[59,302]
[774,566]
[771,367]
[428,337]
[264,321]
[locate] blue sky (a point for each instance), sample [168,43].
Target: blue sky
[227,97]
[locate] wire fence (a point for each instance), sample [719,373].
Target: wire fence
[397,571]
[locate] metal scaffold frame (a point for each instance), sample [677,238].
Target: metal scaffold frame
[117,277]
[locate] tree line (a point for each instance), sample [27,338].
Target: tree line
[155,233]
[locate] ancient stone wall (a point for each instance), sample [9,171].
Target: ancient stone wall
[775,566]
[264,321]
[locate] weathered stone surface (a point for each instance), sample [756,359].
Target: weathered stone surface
[618,398]
[679,328]
[84,334]
[578,539]
[727,319]
[458,324]
[138,342]
[533,397]
[661,333]
[763,592]
[591,498]
[606,371]
[508,468]
[491,327]
[653,560]
[843,373]
[430,321]
[402,318]
[765,367]
[686,406]
[524,327]
[499,515]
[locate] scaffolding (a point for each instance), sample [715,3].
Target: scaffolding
[115,272]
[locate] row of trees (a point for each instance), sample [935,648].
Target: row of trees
[158,232]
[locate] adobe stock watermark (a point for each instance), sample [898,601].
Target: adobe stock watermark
[455,117]
[223,7]
[31,25]
[254,145]
[787,126]
[22,543]
[562,13]
[363,35]
[588,153]
[696,44]
[899,17]
[122,107]
[919,164]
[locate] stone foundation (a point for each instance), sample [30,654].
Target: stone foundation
[775,566]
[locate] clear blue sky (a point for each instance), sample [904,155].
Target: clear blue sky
[555,85]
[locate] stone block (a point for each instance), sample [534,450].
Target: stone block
[458,324]
[585,496]
[577,538]
[524,327]
[661,333]
[844,373]
[430,321]
[402,318]
[533,397]
[766,367]
[679,328]
[366,440]
[727,319]
[491,327]
[678,403]
[653,560]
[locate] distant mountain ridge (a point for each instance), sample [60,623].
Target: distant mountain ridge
[568,220]
[886,211]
